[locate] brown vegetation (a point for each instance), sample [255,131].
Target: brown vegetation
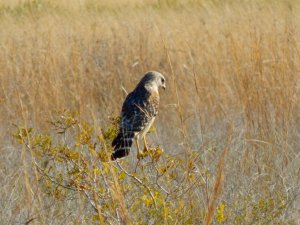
[232,70]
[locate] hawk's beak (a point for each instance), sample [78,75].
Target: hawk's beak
[164,87]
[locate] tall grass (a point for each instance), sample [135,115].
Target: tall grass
[232,72]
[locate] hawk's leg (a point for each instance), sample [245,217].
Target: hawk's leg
[145,152]
[139,154]
[146,149]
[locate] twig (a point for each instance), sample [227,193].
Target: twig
[216,190]
[52,179]
[29,221]
[91,201]
[140,182]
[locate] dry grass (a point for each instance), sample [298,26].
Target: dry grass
[233,83]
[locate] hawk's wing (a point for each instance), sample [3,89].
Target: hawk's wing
[138,110]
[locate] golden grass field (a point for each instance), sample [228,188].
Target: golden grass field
[229,121]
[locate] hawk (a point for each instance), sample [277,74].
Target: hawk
[138,113]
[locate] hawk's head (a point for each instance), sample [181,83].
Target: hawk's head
[152,80]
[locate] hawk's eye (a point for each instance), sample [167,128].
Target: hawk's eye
[162,80]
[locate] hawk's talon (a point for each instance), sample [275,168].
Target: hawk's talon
[146,150]
[155,153]
[139,156]
[142,154]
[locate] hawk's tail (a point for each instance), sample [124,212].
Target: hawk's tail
[122,144]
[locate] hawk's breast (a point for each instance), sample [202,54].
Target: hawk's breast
[151,110]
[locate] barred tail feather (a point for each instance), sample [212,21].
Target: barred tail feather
[121,145]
